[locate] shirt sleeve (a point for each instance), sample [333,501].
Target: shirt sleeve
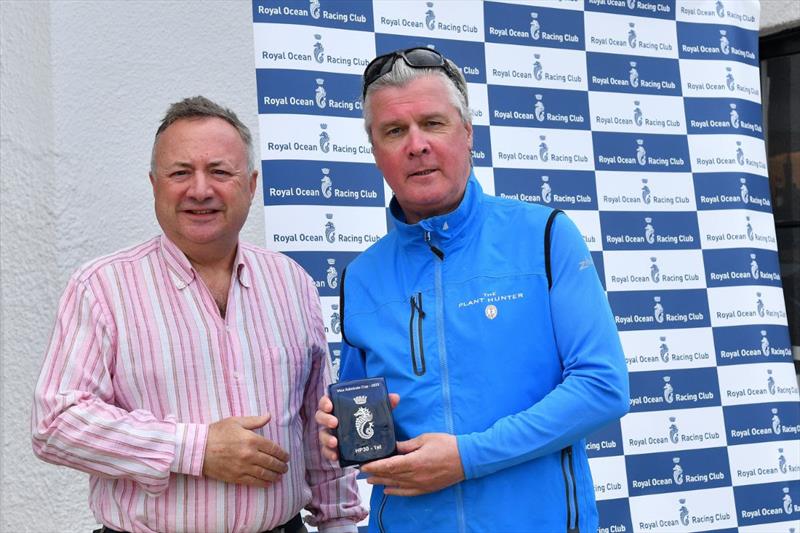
[335,504]
[594,389]
[75,421]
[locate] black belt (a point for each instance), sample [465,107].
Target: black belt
[295,525]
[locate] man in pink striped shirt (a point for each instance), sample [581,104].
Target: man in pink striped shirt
[183,373]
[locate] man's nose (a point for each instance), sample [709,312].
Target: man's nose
[200,188]
[417,142]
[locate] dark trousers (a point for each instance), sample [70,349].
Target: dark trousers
[295,525]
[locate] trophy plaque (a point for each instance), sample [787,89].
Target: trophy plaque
[366,430]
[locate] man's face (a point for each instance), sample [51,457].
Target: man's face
[421,146]
[201,186]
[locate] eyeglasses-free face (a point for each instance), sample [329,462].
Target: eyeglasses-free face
[418,57]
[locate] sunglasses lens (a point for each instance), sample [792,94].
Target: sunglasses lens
[423,57]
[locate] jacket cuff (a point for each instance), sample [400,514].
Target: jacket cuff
[465,450]
[190,449]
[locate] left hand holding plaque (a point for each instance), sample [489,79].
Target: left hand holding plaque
[365,431]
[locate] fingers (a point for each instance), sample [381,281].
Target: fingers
[391,466]
[408,446]
[268,447]
[324,416]
[253,422]
[394,399]
[325,404]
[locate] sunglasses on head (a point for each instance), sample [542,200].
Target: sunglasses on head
[418,57]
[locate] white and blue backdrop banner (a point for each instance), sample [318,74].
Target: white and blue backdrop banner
[642,120]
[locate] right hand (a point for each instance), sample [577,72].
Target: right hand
[237,454]
[327,421]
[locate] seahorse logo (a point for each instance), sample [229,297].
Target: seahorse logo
[538,71]
[677,471]
[734,116]
[632,35]
[364,425]
[724,44]
[633,75]
[430,17]
[673,431]
[320,94]
[319,50]
[313,5]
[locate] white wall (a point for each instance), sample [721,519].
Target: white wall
[82,87]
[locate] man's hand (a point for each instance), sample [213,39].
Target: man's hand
[236,454]
[427,463]
[327,421]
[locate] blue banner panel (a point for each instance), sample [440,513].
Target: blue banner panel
[752,344]
[288,182]
[675,389]
[664,230]
[615,516]
[666,309]
[344,14]
[481,146]
[533,26]
[767,503]
[662,9]
[677,471]
[732,190]
[712,41]
[308,93]
[766,422]
[720,116]
[605,442]
[324,268]
[633,74]
[640,152]
[741,266]
[559,189]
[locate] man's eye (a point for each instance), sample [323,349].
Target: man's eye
[179,174]
[220,172]
[393,132]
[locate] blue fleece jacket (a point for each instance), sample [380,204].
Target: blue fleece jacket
[457,314]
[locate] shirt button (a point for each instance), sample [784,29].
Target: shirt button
[237,376]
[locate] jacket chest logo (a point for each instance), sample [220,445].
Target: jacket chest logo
[490,311]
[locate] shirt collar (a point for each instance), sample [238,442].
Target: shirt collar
[183,273]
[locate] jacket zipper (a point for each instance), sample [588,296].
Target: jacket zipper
[570,483]
[416,309]
[445,373]
[380,513]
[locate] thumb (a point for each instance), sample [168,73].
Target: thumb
[408,446]
[394,399]
[254,422]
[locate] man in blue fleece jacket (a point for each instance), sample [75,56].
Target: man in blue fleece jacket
[485,316]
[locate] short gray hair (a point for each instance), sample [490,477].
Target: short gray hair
[201,107]
[401,75]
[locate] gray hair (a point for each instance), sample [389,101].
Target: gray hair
[201,107]
[401,75]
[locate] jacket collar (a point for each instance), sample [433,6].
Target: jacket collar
[444,230]
[183,274]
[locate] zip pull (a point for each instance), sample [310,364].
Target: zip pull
[418,306]
[416,309]
[434,249]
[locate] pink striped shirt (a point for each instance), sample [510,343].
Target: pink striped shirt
[141,362]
